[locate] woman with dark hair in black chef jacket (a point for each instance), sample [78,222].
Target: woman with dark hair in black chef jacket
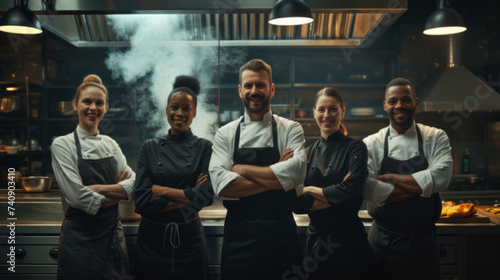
[336,173]
[172,186]
[93,176]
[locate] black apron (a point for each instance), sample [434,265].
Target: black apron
[403,234]
[260,235]
[336,243]
[171,245]
[175,250]
[93,246]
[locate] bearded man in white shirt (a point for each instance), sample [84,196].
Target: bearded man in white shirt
[257,163]
[408,164]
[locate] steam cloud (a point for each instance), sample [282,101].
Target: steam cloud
[158,53]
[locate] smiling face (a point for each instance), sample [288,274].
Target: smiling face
[91,107]
[256,92]
[181,111]
[328,113]
[400,104]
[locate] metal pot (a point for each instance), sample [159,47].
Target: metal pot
[36,183]
[10,104]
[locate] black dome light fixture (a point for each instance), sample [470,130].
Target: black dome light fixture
[20,20]
[444,21]
[290,12]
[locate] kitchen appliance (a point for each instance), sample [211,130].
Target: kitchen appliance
[456,89]
[36,183]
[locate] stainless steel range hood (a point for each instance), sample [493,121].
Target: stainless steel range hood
[342,23]
[456,89]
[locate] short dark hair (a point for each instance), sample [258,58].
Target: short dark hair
[257,65]
[401,82]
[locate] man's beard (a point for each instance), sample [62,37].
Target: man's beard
[406,123]
[256,110]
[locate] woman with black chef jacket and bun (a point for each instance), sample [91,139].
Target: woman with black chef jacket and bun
[336,173]
[172,186]
[93,176]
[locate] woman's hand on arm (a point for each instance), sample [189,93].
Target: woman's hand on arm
[315,192]
[320,201]
[176,195]
[202,178]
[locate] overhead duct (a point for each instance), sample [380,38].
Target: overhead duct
[344,23]
[456,88]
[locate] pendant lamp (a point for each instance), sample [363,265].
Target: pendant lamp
[20,20]
[290,12]
[444,21]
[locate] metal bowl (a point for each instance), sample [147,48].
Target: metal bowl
[10,104]
[36,183]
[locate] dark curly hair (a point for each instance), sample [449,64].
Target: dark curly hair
[187,84]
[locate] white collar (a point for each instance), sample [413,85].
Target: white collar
[83,133]
[266,118]
[409,132]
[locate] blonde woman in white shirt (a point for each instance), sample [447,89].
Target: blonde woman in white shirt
[93,176]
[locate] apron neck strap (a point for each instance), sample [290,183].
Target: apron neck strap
[77,143]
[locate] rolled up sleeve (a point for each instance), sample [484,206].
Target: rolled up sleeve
[291,173]
[128,184]
[70,182]
[221,162]
[375,192]
[437,176]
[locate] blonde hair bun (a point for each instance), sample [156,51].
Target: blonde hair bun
[92,79]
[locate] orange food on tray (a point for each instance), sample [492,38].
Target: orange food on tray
[446,206]
[461,210]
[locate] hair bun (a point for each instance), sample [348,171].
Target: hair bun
[188,81]
[92,79]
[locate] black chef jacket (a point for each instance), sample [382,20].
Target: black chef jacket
[172,161]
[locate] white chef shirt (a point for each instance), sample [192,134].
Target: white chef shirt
[437,151]
[65,165]
[257,134]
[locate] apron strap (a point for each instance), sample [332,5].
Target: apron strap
[420,141]
[175,240]
[78,146]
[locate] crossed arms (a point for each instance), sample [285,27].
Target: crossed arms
[254,179]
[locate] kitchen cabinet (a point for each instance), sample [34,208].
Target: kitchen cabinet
[21,114]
